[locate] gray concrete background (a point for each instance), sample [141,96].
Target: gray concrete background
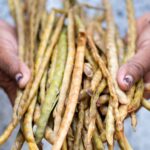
[139,139]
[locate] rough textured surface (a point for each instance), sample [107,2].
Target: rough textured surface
[139,139]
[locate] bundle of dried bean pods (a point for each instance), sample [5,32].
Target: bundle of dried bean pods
[73,99]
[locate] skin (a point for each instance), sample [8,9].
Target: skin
[138,66]
[13,72]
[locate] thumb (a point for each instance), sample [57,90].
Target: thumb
[136,67]
[11,65]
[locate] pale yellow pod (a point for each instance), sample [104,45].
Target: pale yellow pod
[79,127]
[103,136]
[110,147]
[50,136]
[42,91]
[99,123]
[43,21]
[18,141]
[98,36]
[123,110]
[27,126]
[103,99]
[111,51]
[146,104]
[70,139]
[20,28]
[136,101]
[97,142]
[64,146]
[67,73]
[81,146]
[122,141]
[106,74]
[95,80]
[120,47]
[44,39]
[110,125]
[74,90]
[90,59]
[93,110]
[41,6]
[132,33]
[37,112]
[52,67]
[133,120]
[87,144]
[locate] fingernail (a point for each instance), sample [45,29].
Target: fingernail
[128,81]
[18,77]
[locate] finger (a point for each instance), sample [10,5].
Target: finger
[12,66]
[142,23]
[6,26]
[8,36]
[9,86]
[147,85]
[136,67]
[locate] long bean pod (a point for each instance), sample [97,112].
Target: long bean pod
[93,108]
[52,92]
[18,141]
[74,90]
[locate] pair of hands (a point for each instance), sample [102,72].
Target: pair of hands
[15,73]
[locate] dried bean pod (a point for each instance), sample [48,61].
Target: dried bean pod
[88,70]
[97,141]
[67,72]
[146,104]
[93,110]
[18,141]
[136,102]
[79,126]
[27,126]
[103,99]
[44,39]
[37,113]
[52,91]
[110,125]
[74,91]
[90,59]
[112,52]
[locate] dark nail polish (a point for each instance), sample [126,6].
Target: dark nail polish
[18,77]
[128,80]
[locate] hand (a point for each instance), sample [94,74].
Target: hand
[13,72]
[139,65]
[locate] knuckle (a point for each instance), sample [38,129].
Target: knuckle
[136,68]
[144,43]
